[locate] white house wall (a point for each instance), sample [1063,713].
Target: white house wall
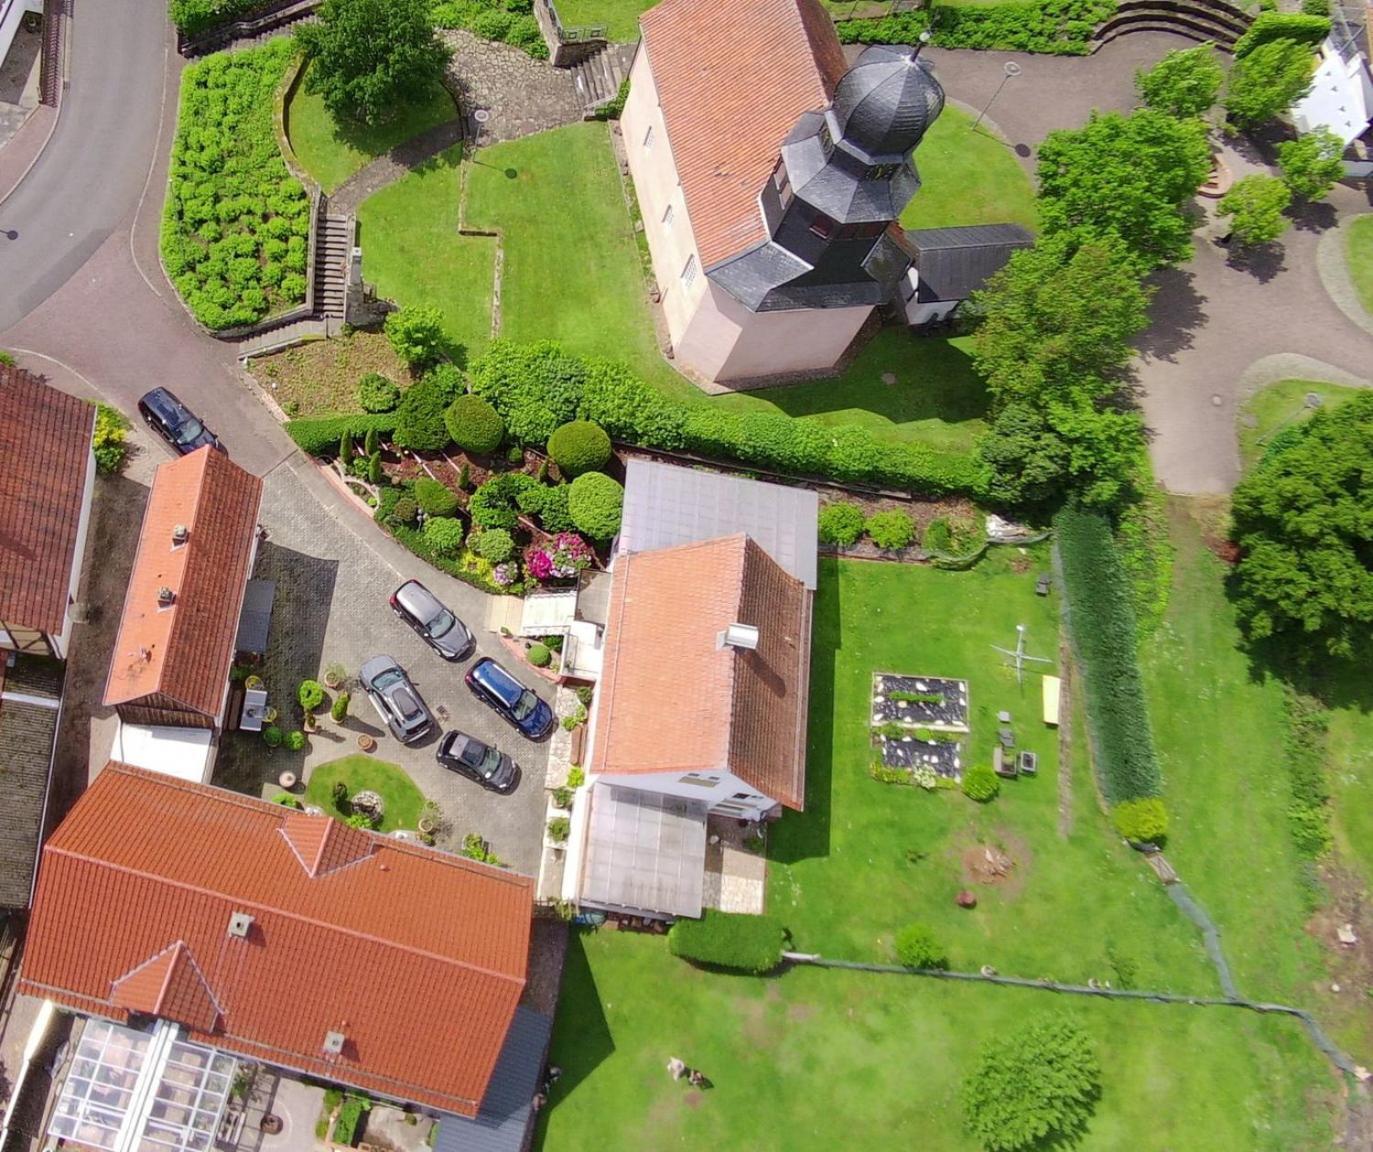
[713,788]
[83,524]
[1341,96]
[11,15]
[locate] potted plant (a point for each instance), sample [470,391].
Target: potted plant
[335,675]
[253,681]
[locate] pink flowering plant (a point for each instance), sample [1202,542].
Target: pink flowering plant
[561,559]
[505,574]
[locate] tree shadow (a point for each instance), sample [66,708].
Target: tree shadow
[581,1035]
[1262,261]
[1317,216]
[1175,313]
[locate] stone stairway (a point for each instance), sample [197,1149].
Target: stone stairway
[1216,21]
[599,75]
[331,265]
[277,19]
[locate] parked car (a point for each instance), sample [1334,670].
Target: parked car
[425,613]
[488,766]
[174,422]
[395,698]
[526,711]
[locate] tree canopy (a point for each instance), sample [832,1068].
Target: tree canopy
[369,57]
[1304,523]
[1268,80]
[1255,206]
[1311,164]
[1184,83]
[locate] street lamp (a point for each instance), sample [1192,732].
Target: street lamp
[1009,69]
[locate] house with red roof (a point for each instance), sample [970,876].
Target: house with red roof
[223,930]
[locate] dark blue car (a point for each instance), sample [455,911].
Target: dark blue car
[493,684]
[174,422]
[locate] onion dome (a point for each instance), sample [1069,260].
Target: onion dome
[887,101]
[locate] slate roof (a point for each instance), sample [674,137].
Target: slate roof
[45,442]
[666,505]
[505,1113]
[417,957]
[731,80]
[27,733]
[954,262]
[183,652]
[671,698]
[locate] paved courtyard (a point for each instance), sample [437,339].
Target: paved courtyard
[334,573]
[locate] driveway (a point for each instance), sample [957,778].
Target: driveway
[334,572]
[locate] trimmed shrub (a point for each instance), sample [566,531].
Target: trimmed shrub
[1142,821]
[891,530]
[320,435]
[434,498]
[272,736]
[917,947]
[579,446]
[444,535]
[420,423]
[1270,26]
[980,783]
[295,741]
[286,800]
[496,545]
[549,505]
[416,334]
[539,655]
[371,442]
[729,940]
[375,473]
[339,709]
[345,449]
[377,393]
[474,425]
[353,1111]
[108,441]
[841,524]
[310,694]
[1101,623]
[404,511]
[493,504]
[595,502]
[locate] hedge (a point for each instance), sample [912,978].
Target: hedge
[349,1122]
[537,387]
[1269,26]
[1305,750]
[1049,27]
[192,17]
[729,940]
[1101,623]
[320,435]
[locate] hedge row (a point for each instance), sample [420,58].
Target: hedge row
[1050,27]
[537,387]
[1269,26]
[729,940]
[320,435]
[509,21]
[1305,752]
[1101,621]
[192,17]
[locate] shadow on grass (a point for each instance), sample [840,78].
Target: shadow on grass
[581,1034]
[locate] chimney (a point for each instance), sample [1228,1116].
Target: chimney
[165,597]
[744,637]
[180,534]
[333,1043]
[239,925]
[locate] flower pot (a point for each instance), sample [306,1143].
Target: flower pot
[366,743]
[427,826]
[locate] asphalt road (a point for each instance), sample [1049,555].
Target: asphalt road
[89,178]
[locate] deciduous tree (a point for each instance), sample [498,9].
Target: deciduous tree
[1268,80]
[1255,206]
[1311,164]
[1184,83]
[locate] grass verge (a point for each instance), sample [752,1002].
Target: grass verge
[1279,406]
[1359,253]
[402,798]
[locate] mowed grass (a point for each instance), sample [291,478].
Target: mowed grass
[814,1060]
[1280,406]
[1351,770]
[413,254]
[401,795]
[968,177]
[865,858]
[332,150]
[620,18]
[1359,253]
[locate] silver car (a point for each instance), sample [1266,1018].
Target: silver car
[425,613]
[396,700]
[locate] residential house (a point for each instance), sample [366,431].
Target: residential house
[953,263]
[700,711]
[1341,95]
[197,930]
[770,176]
[169,675]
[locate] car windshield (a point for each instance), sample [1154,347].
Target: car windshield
[384,680]
[189,430]
[442,624]
[525,705]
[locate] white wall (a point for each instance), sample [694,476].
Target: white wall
[11,13]
[82,527]
[715,787]
[1341,97]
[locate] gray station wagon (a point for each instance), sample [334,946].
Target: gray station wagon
[396,700]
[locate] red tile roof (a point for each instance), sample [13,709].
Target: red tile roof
[417,957]
[184,651]
[732,80]
[45,442]
[672,699]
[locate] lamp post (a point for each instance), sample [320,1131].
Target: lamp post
[1009,69]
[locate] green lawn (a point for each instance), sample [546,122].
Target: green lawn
[1359,252]
[842,877]
[413,254]
[403,799]
[620,17]
[1351,760]
[1278,406]
[331,150]
[968,177]
[815,1060]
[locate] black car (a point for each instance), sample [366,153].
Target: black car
[486,765]
[425,613]
[493,684]
[174,422]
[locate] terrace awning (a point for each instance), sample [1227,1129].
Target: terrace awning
[645,852]
[255,621]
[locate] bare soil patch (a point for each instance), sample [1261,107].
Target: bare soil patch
[1348,911]
[1000,860]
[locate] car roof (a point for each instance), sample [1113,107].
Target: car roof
[498,680]
[164,403]
[407,703]
[416,599]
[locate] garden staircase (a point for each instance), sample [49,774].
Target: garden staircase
[272,21]
[599,75]
[1215,20]
[332,244]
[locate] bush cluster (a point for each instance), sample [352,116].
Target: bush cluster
[549,505]
[236,224]
[320,435]
[729,940]
[1101,622]
[378,393]
[1142,821]
[891,530]
[1052,27]
[917,947]
[494,504]
[981,784]
[192,17]
[474,425]
[420,419]
[351,1114]
[433,498]
[595,502]
[841,524]
[537,387]
[107,442]
[510,21]
[579,446]
[396,510]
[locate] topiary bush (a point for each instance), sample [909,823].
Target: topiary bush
[377,393]
[539,655]
[420,423]
[841,524]
[579,446]
[891,530]
[474,425]
[980,783]
[493,504]
[434,498]
[496,545]
[917,947]
[272,736]
[416,334]
[595,502]
[310,694]
[338,711]
[1142,821]
[404,510]
[444,535]
[295,740]
[549,505]
[729,940]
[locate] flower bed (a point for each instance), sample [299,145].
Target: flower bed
[920,702]
[942,757]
